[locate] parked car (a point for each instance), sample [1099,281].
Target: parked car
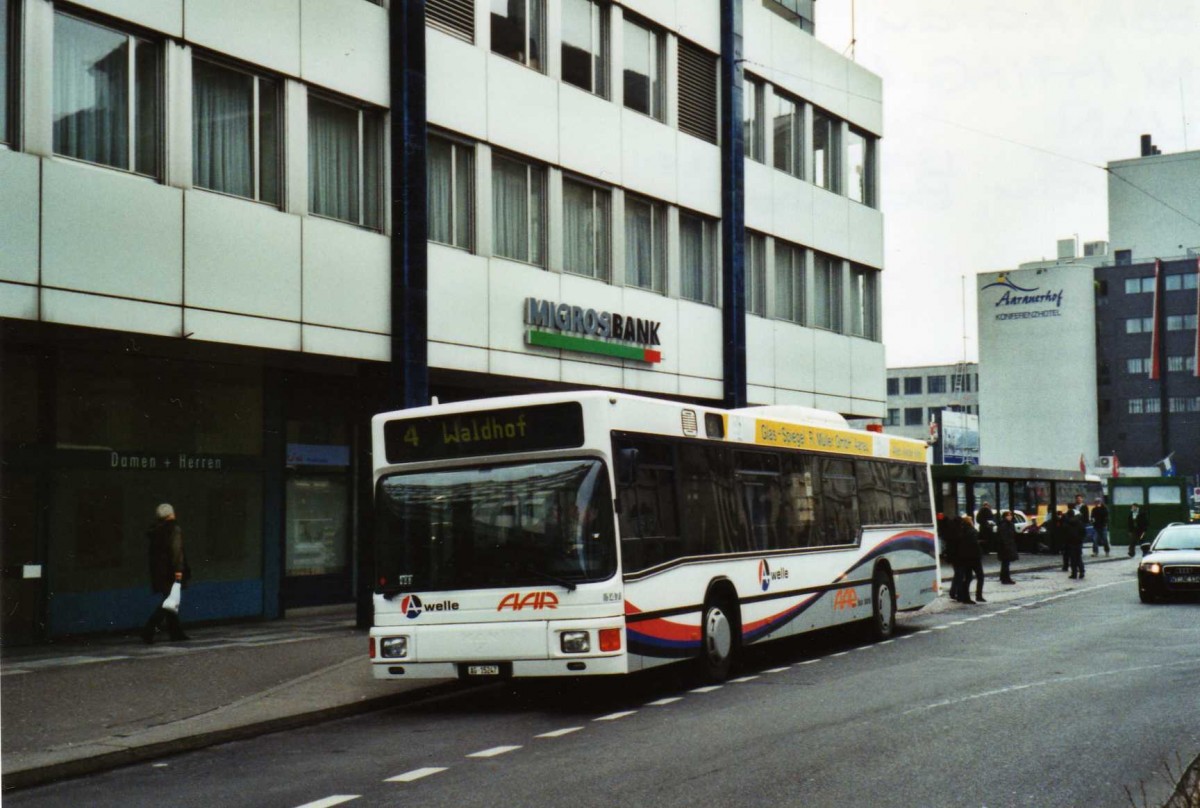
[1170,566]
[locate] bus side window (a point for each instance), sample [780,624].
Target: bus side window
[837,506]
[760,497]
[646,506]
[874,495]
[799,502]
[909,495]
[712,520]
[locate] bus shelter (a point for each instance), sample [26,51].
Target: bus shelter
[1163,499]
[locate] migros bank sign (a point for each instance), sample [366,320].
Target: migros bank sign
[587,330]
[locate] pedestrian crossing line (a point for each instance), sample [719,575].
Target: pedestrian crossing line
[493,752]
[415,774]
[328,802]
[558,733]
[708,689]
[615,716]
[665,701]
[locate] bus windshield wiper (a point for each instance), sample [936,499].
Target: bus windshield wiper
[546,576]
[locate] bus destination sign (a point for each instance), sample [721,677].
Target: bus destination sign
[488,432]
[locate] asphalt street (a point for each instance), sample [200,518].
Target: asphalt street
[1054,693]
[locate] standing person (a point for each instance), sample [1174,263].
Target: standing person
[1006,546]
[951,530]
[1054,537]
[167,565]
[1073,537]
[986,522]
[1138,525]
[1081,509]
[1100,524]
[971,562]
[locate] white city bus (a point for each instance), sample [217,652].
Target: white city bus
[602,533]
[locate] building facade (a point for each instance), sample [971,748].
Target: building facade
[914,394]
[232,231]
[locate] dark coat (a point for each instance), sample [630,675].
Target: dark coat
[1100,517]
[968,550]
[987,523]
[1073,531]
[1006,541]
[1083,513]
[1138,525]
[165,555]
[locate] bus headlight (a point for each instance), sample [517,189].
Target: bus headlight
[393,647]
[575,642]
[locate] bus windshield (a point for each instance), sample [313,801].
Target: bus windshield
[529,524]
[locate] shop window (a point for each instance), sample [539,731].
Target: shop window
[698,92]
[345,162]
[826,151]
[107,96]
[587,229]
[756,274]
[519,210]
[698,258]
[237,133]
[643,69]
[585,45]
[455,17]
[519,31]
[752,119]
[451,192]
[645,243]
[788,121]
[827,289]
[789,282]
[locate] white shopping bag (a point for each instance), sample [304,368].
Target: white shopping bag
[172,601]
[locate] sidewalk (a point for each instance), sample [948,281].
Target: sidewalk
[92,704]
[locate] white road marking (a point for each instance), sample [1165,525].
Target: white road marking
[811,661]
[779,670]
[558,733]
[742,679]
[336,799]
[665,702]
[415,774]
[959,623]
[906,636]
[839,653]
[708,689]
[614,716]
[887,642]
[925,631]
[495,750]
[1060,680]
[940,628]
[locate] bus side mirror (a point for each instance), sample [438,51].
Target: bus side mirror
[627,463]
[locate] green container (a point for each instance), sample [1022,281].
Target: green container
[1163,499]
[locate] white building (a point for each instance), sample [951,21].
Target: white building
[915,393]
[208,280]
[1152,205]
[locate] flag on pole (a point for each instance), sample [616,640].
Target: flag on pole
[1155,336]
[1082,463]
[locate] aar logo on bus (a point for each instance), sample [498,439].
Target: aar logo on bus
[411,606]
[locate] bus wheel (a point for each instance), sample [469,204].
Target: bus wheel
[883,606]
[717,642]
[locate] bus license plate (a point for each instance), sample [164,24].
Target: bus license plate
[483,670]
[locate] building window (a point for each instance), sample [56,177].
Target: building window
[519,210]
[345,162]
[827,288]
[644,69]
[455,17]
[697,92]
[107,96]
[587,229]
[698,258]
[752,119]
[1135,286]
[756,274]
[8,72]
[1153,406]
[1180,363]
[798,12]
[1123,258]
[1135,406]
[236,133]
[893,417]
[789,282]
[864,283]
[860,152]
[788,121]
[1191,281]
[826,151]
[912,416]
[1138,365]
[1183,404]
[585,45]
[519,31]
[645,243]
[912,385]
[451,193]
[1139,325]
[893,386]
[1181,322]
[935,384]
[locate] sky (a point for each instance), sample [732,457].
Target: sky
[999,117]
